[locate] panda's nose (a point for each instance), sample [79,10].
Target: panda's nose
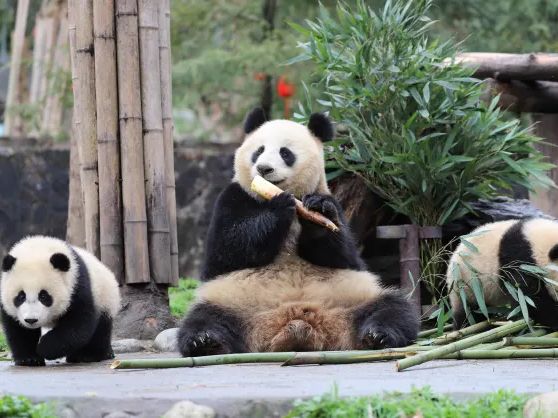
[264,169]
[31,321]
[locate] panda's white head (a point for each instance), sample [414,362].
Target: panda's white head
[39,274]
[283,152]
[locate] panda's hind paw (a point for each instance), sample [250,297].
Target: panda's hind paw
[203,343]
[373,338]
[30,362]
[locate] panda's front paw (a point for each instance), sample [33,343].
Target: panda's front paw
[322,203]
[30,361]
[203,343]
[375,337]
[49,348]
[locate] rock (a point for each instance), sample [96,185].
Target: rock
[166,340]
[542,406]
[131,345]
[187,409]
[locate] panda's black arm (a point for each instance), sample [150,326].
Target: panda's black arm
[245,232]
[22,341]
[323,247]
[75,328]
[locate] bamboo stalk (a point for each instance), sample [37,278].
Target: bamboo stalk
[108,147]
[84,94]
[468,342]
[269,190]
[324,357]
[463,332]
[154,155]
[532,341]
[428,332]
[131,144]
[39,46]
[166,107]
[75,230]
[18,39]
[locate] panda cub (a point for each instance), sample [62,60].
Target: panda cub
[501,248]
[49,285]
[274,282]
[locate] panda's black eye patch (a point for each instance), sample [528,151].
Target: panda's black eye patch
[287,156]
[257,153]
[45,298]
[19,299]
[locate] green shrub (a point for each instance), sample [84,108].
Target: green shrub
[419,403]
[3,343]
[20,407]
[181,297]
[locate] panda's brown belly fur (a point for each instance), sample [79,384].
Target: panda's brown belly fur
[292,304]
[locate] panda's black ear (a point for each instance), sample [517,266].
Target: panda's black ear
[8,262]
[60,262]
[256,118]
[321,127]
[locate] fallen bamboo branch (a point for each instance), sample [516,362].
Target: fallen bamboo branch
[532,341]
[468,342]
[269,190]
[428,332]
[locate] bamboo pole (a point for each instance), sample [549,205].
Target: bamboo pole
[468,342]
[269,190]
[532,341]
[108,147]
[154,150]
[18,39]
[39,45]
[136,253]
[84,93]
[166,107]
[75,229]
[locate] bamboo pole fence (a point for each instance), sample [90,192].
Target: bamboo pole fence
[18,40]
[121,65]
[474,342]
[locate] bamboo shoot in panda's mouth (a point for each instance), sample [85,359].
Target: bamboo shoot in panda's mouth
[268,191]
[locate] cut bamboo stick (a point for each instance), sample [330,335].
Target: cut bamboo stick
[468,342]
[457,335]
[131,143]
[18,40]
[532,341]
[269,190]
[108,147]
[84,91]
[153,146]
[166,107]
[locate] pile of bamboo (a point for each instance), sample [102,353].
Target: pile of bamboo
[120,59]
[486,340]
[50,66]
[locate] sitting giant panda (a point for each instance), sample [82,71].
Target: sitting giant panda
[49,284]
[273,282]
[500,248]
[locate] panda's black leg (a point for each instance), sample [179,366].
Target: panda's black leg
[210,329]
[389,321]
[22,342]
[99,347]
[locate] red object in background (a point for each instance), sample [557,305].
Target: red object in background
[284,88]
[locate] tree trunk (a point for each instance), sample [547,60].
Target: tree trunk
[18,40]
[525,96]
[75,230]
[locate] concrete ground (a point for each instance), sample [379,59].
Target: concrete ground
[261,390]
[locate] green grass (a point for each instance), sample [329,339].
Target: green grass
[20,407]
[419,403]
[3,343]
[181,297]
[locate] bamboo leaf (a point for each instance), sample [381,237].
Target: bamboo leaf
[479,295]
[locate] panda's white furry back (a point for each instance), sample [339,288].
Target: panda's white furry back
[274,282]
[500,248]
[64,290]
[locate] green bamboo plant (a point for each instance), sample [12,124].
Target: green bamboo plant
[412,122]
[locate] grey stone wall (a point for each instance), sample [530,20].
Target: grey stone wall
[34,193]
